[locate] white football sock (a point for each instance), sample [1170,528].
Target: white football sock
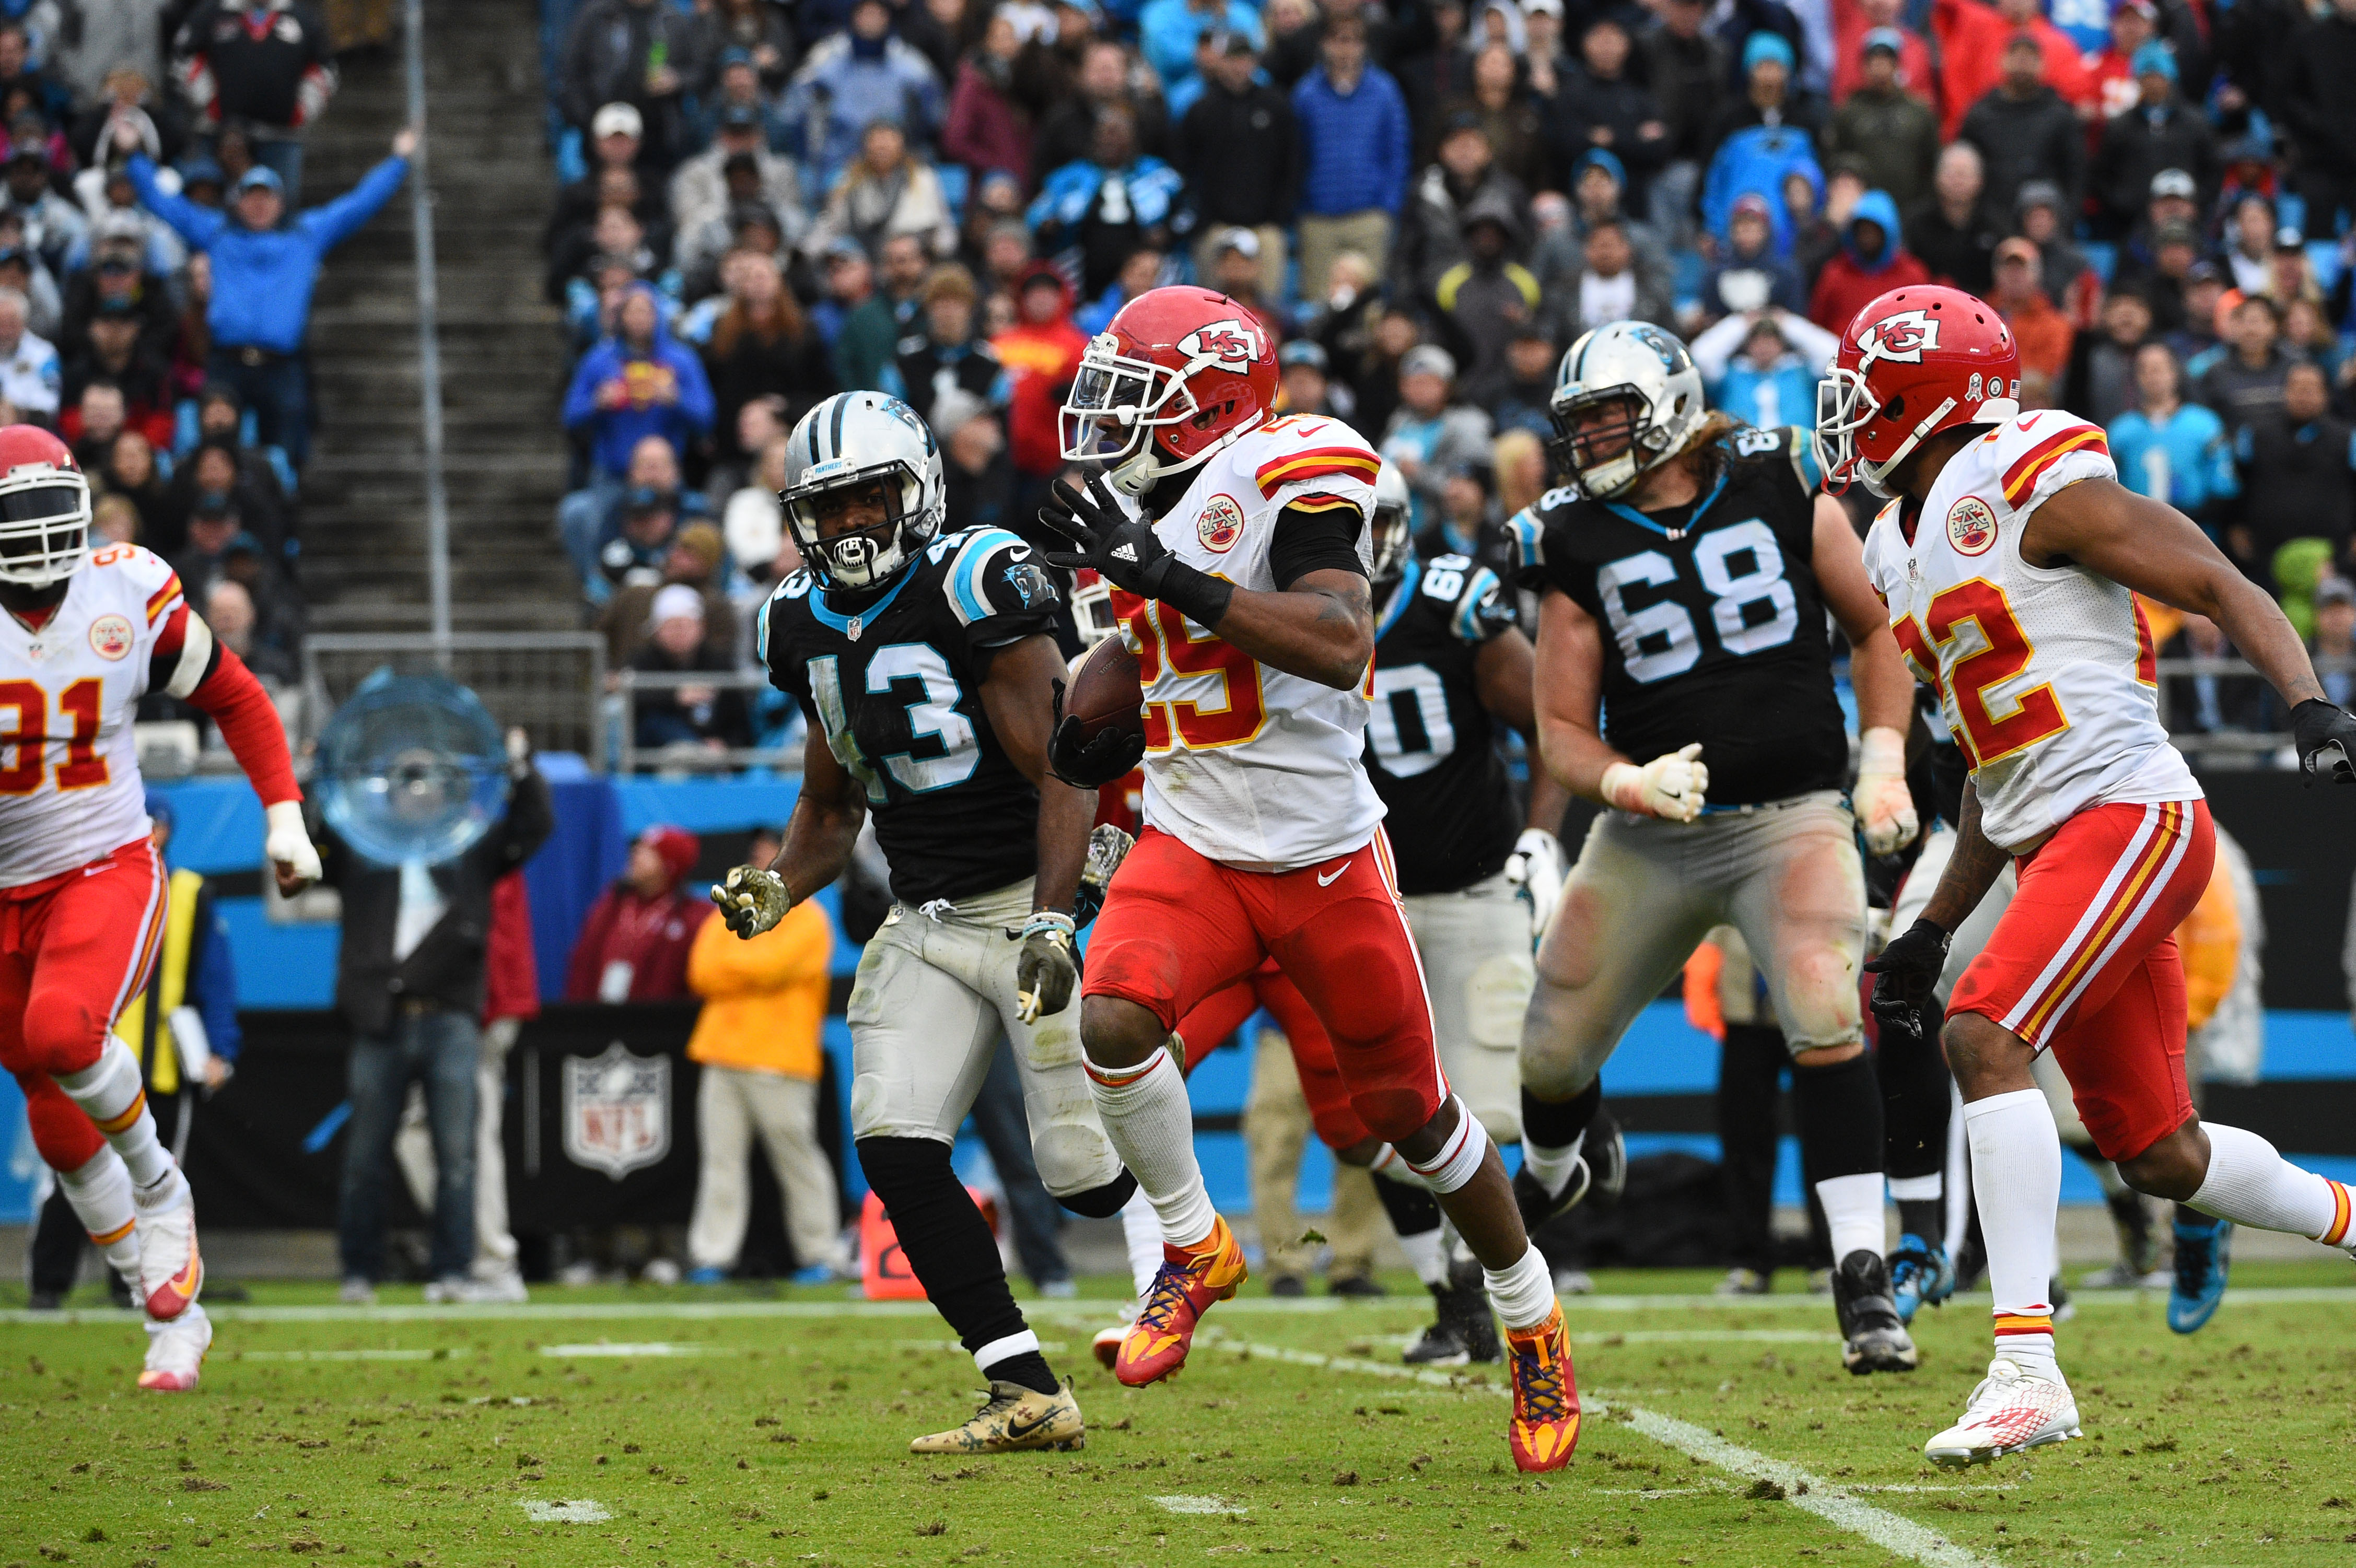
[100,1193]
[1151,1124]
[1141,1231]
[1424,1254]
[997,1350]
[1853,1214]
[1392,1166]
[1552,1167]
[1522,1292]
[2017,1181]
[110,1094]
[2250,1184]
[1917,1189]
[1458,1159]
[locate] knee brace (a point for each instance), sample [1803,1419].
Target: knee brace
[1100,1202]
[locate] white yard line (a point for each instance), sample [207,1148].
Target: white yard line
[1896,1535]
[679,1311]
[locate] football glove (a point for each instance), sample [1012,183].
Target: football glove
[1091,762]
[1669,787]
[1535,870]
[286,845]
[2325,735]
[1107,846]
[1885,806]
[1906,974]
[1126,551]
[1048,969]
[752,901]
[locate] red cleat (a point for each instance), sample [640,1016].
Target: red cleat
[1545,1428]
[1156,1344]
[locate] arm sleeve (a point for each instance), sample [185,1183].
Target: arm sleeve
[234,700]
[1316,533]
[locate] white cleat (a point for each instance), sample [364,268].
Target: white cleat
[176,1350]
[2011,1411]
[171,1271]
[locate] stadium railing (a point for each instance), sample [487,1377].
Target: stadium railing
[629,757]
[547,682]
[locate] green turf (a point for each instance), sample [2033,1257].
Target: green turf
[781,1438]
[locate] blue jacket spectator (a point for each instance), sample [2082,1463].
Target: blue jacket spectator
[1762,368]
[2179,454]
[1354,146]
[637,382]
[1756,162]
[1166,31]
[1094,214]
[850,81]
[264,268]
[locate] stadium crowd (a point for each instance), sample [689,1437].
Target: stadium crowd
[1426,201]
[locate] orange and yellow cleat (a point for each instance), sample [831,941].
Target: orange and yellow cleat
[1189,1281]
[1545,1428]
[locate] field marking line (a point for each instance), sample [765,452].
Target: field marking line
[633,1350]
[1183,1502]
[1575,1308]
[439,1353]
[572,1510]
[1894,1534]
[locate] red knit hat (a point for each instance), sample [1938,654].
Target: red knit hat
[679,849]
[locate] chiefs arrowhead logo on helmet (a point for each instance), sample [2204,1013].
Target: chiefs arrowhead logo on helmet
[1900,338]
[1231,346]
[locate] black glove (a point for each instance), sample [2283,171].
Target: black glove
[1126,551]
[1088,763]
[1907,973]
[2325,735]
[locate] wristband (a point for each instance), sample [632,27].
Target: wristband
[1881,750]
[1623,785]
[1197,595]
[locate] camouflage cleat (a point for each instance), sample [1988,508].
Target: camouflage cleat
[1013,1418]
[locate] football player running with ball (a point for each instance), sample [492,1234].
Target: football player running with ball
[1238,542]
[81,887]
[1685,679]
[927,666]
[2011,556]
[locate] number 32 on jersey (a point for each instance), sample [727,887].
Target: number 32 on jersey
[1979,611]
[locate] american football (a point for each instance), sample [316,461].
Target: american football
[1105,691]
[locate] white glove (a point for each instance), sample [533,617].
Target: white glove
[1885,806]
[287,846]
[1534,868]
[1670,787]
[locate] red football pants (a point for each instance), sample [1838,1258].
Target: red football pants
[1222,1013]
[74,949]
[2084,963]
[1178,928]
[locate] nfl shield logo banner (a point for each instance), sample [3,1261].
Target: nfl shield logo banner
[616,1110]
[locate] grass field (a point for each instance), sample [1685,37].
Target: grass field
[629,1426]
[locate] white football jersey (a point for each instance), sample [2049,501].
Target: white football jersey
[69,786]
[2047,675]
[1251,766]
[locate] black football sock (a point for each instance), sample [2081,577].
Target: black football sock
[1557,1123]
[1838,1109]
[1916,1104]
[1415,1218]
[950,1251]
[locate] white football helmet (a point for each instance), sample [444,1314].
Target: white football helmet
[1092,607]
[1649,370]
[857,439]
[1392,537]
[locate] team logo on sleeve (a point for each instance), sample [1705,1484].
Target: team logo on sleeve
[1221,525]
[1900,339]
[1029,585]
[110,636]
[1971,526]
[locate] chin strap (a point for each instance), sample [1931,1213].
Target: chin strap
[1874,473]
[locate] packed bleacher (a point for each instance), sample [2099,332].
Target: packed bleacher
[1426,200]
[156,266]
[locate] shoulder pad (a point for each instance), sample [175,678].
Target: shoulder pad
[796,585]
[965,582]
[2028,449]
[1476,607]
[140,572]
[1314,446]
[1526,532]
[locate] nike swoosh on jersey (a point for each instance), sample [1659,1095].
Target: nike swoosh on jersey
[1325,881]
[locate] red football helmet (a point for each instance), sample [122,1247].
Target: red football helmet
[44,509]
[1178,374]
[1915,362]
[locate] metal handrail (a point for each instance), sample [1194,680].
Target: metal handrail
[627,683]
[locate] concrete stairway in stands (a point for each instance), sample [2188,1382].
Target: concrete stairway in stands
[364,563]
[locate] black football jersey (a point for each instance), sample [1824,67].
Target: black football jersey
[1431,748]
[893,682]
[1713,627]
